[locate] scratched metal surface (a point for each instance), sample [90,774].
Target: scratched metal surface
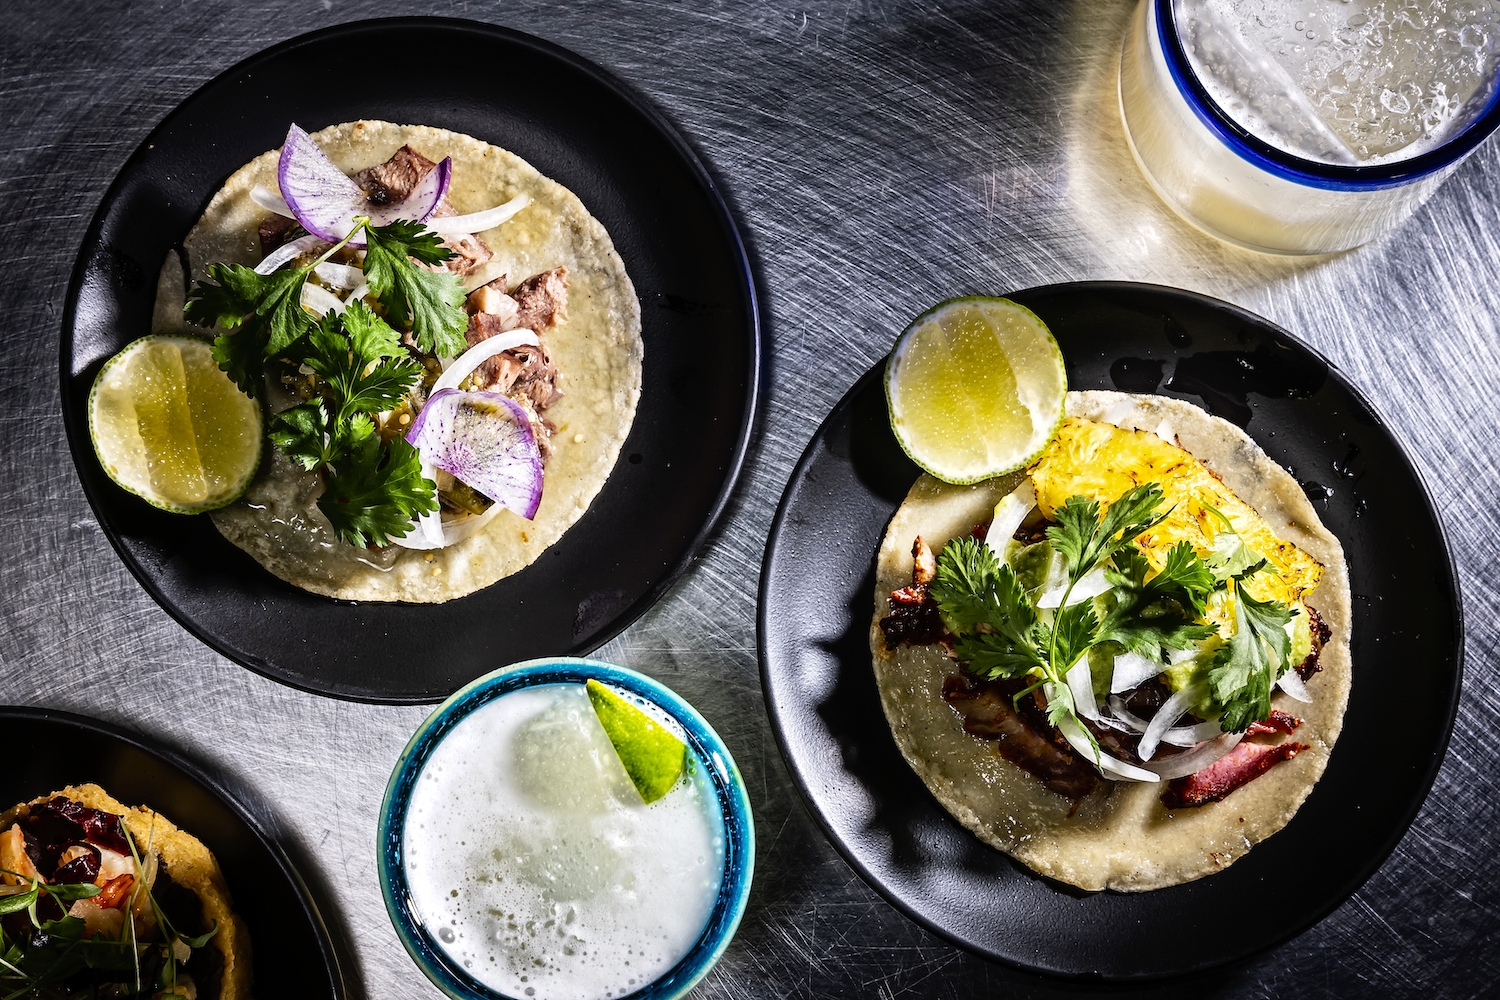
[880,156]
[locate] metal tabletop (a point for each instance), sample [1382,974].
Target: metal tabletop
[880,156]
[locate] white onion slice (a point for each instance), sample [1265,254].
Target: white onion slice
[1090,586]
[1197,759]
[357,294]
[1113,767]
[478,222]
[1191,736]
[1291,683]
[320,300]
[288,251]
[1125,715]
[270,201]
[481,352]
[340,275]
[1131,671]
[1166,717]
[1009,513]
[1081,682]
[1177,656]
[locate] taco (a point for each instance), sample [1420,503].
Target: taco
[104,899]
[1127,664]
[548,413]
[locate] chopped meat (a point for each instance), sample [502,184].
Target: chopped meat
[1033,529]
[542,300]
[391,182]
[979,532]
[924,563]
[275,232]
[492,299]
[1243,764]
[914,618]
[1320,634]
[989,713]
[519,372]
[1277,722]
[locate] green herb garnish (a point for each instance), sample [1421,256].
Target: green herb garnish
[1001,634]
[374,488]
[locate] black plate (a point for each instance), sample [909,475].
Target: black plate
[290,949]
[817,589]
[577,125]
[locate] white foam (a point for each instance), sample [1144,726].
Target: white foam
[533,861]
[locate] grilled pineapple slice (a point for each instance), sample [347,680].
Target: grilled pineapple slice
[1101,462]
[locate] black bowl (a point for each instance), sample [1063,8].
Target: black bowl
[577,125]
[290,949]
[816,601]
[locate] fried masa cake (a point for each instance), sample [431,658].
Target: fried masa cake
[176,867]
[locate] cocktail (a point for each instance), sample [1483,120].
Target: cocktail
[1306,127]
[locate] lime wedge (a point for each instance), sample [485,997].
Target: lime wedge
[172,428]
[975,388]
[653,757]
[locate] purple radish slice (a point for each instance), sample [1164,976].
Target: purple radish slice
[485,440]
[325,200]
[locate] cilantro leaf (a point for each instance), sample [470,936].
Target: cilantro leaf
[1074,630]
[429,302]
[303,434]
[1086,540]
[1150,617]
[361,359]
[241,355]
[1255,656]
[374,493]
[974,588]
[276,298]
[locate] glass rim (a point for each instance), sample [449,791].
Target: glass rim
[1333,176]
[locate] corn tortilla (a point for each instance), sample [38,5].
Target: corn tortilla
[1120,836]
[598,351]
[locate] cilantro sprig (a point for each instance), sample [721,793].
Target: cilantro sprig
[374,488]
[999,633]
[262,315]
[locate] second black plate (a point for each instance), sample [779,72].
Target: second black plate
[577,125]
[817,597]
[289,946]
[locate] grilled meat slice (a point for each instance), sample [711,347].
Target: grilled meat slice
[988,712]
[1320,634]
[1243,764]
[1277,722]
[914,618]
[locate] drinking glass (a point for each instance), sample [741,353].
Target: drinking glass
[1233,183]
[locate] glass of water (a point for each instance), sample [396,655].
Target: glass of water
[1306,126]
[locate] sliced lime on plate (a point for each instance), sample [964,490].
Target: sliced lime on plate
[172,428]
[975,388]
[653,756]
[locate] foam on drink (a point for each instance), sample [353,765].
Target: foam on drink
[1345,81]
[532,860]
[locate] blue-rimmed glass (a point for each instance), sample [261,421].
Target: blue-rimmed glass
[710,751]
[1235,185]
[1334,176]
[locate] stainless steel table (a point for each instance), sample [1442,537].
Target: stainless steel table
[880,156]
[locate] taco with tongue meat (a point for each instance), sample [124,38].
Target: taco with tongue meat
[1126,664]
[493,303]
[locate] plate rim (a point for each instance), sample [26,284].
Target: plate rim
[1427,774]
[196,773]
[717,200]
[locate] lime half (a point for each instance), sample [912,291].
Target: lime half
[653,757]
[172,428]
[975,388]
